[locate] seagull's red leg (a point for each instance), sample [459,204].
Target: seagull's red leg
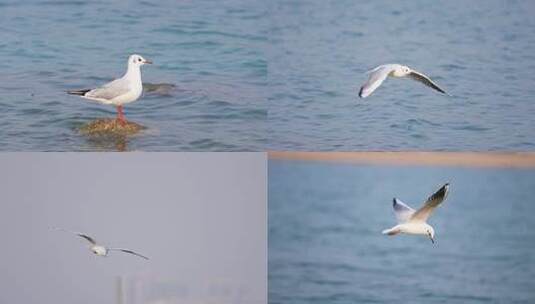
[119,112]
[120,115]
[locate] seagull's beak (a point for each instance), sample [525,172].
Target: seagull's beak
[431,238]
[148,61]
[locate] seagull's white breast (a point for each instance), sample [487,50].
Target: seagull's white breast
[129,97]
[414,228]
[398,72]
[135,87]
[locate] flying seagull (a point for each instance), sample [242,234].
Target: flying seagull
[99,249]
[414,222]
[121,91]
[380,73]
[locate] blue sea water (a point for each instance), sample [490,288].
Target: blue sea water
[211,51]
[481,52]
[325,242]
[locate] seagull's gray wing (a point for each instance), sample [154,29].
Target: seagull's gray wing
[402,211]
[430,204]
[377,76]
[88,238]
[110,90]
[129,251]
[425,80]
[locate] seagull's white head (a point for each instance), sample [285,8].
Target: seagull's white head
[401,71]
[137,60]
[405,70]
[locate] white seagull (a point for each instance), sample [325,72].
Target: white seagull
[414,222]
[99,249]
[380,73]
[121,91]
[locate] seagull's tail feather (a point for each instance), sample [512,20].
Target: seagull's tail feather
[78,92]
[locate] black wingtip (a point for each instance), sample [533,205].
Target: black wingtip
[360,92]
[444,189]
[78,92]
[394,201]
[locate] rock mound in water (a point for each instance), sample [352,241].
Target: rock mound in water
[109,126]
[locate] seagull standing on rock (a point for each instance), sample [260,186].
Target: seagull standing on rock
[120,91]
[99,249]
[380,73]
[414,222]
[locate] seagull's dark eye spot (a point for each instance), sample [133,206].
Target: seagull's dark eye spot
[139,59]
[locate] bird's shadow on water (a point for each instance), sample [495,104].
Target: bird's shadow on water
[117,143]
[159,89]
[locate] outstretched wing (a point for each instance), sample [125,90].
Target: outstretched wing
[88,238]
[432,202]
[377,76]
[129,251]
[402,211]
[425,80]
[85,236]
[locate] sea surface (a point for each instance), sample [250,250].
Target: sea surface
[481,52]
[325,242]
[209,56]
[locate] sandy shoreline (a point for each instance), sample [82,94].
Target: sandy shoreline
[460,159]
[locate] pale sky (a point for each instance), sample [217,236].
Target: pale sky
[200,217]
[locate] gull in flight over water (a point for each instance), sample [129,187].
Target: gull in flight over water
[380,73]
[411,221]
[99,249]
[121,91]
